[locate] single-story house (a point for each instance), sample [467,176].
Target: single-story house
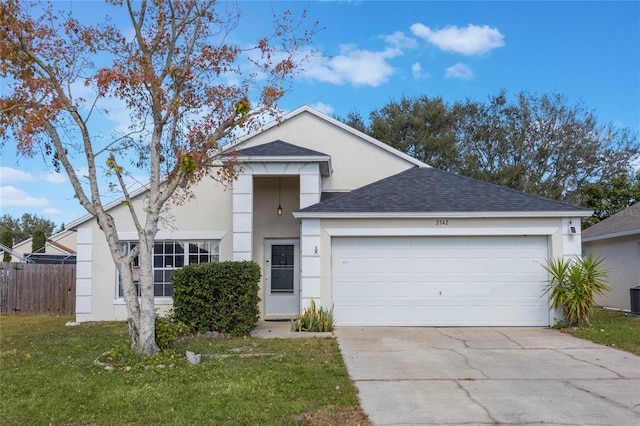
[333,215]
[617,240]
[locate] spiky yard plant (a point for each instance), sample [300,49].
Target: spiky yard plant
[314,319]
[573,285]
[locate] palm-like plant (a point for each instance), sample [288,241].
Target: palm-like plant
[573,285]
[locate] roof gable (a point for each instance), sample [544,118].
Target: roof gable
[625,222]
[428,190]
[237,145]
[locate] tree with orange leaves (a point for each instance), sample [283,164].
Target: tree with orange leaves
[185,87]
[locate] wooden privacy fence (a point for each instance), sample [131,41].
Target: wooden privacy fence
[37,289]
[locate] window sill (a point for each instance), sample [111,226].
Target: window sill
[157,300]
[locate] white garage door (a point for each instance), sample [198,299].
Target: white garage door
[440,281]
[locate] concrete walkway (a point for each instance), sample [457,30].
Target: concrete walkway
[281,330]
[475,376]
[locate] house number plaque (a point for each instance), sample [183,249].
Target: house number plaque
[442,222]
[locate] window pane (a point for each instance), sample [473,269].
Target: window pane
[158,290]
[179,248]
[282,280]
[158,248]
[157,261]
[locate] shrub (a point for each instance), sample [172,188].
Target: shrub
[220,297]
[168,329]
[314,319]
[573,285]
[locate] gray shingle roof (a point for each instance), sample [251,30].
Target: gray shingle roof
[425,189]
[625,221]
[279,148]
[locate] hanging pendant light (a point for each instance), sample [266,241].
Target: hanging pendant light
[279,210]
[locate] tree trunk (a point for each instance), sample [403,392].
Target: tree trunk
[146,336]
[140,310]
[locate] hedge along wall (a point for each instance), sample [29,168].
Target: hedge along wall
[220,297]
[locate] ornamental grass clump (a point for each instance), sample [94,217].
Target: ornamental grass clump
[314,319]
[573,285]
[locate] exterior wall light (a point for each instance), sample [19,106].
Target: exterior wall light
[279,209]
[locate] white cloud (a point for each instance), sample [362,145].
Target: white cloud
[459,70]
[55,177]
[471,40]
[324,108]
[8,175]
[353,66]
[416,70]
[399,40]
[51,211]
[10,196]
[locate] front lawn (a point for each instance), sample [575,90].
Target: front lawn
[49,376]
[617,329]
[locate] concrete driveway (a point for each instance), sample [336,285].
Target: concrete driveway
[474,376]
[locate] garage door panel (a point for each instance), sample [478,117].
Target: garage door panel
[426,265]
[446,281]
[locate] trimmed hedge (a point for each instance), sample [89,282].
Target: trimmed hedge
[220,297]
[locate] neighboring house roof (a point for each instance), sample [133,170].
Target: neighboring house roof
[424,191]
[623,223]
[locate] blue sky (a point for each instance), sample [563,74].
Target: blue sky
[379,51]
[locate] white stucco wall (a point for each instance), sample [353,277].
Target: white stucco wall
[622,260]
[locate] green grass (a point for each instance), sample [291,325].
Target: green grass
[617,329]
[48,376]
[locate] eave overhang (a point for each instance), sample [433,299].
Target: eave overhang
[437,215]
[612,235]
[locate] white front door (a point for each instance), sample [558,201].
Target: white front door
[282,278]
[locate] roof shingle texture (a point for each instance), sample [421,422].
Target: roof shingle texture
[624,221]
[279,148]
[425,189]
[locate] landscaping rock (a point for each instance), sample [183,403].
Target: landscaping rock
[209,335]
[193,358]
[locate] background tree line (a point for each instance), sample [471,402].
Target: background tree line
[540,144]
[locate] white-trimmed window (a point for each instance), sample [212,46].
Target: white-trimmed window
[169,256]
